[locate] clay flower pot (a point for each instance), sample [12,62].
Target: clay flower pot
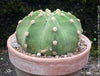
[30,66]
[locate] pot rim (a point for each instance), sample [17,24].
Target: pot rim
[37,59]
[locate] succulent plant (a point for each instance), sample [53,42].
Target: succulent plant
[49,33]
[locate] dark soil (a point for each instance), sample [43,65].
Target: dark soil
[7,69]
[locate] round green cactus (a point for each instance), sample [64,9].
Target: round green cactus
[49,32]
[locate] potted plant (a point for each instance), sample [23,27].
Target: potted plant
[49,43]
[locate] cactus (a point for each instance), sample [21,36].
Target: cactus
[49,32]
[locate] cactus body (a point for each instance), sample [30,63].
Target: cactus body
[48,32]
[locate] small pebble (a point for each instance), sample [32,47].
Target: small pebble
[38,54]
[62,56]
[82,48]
[29,54]
[86,67]
[18,49]
[75,53]
[76,49]
[15,45]
[85,44]
[57,56]
[81,44]
[33,55]
[8,71]
[94,70]
[88,73]
[65,56]
[26,53]
[70,54]
[82,72]
[23,51]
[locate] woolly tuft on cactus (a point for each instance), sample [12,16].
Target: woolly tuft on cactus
[49,32]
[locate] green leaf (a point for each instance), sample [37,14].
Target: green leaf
[94,39]
[91,42]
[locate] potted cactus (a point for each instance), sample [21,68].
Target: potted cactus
[49,43]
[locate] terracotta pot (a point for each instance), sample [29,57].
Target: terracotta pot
[48,66]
